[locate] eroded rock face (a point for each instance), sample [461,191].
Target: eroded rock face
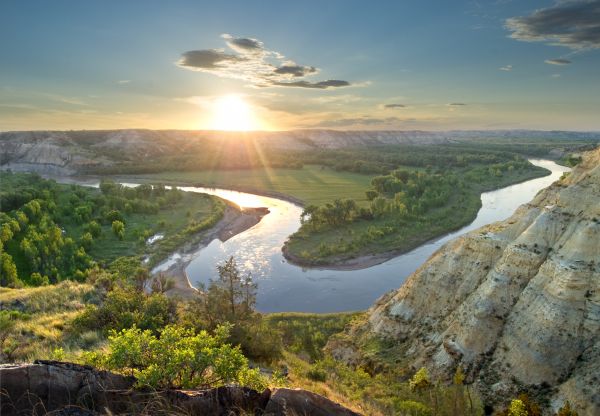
[70,389]
[515,302]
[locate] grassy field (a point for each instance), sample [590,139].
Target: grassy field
[311,184]
[41,319]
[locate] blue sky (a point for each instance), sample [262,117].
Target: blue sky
[325,64]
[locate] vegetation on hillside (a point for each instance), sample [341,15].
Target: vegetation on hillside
[50,232]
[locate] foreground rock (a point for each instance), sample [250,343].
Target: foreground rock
[516,304]
[70,389]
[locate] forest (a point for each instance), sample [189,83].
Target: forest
[50,232]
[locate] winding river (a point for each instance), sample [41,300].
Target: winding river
[285,287]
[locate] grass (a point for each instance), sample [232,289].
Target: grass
[306,334]
[385,391]
[311,184]
[42,318]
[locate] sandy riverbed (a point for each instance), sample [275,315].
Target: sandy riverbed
[234,221]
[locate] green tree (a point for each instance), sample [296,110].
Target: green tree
[8,270]
[517,408]
[114,215]
[420,381]
[94,229]
[37,279]
[118,229]
[231,298]
[86,241]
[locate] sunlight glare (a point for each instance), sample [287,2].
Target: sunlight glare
[232,113]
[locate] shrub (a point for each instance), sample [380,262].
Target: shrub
[179,358]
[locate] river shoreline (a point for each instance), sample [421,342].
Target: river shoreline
[182,184]
[235,221]
[364,261]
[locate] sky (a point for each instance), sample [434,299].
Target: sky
[278,65]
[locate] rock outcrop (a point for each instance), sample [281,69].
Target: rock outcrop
[50,387]
[516,303]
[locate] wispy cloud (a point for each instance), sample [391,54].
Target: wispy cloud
[250,61]
[361,121]
[123,81]
[506,68]
[456,104]
[394,105]
[557,61]
[574,24]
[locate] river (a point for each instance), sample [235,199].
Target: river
[286,287]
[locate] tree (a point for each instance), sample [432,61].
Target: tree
[371,194]
[378,206]
[517,408]
[37,279]
[118,229]
[239,298]
[6,233]
[420,380]
[8,271]
[86,241]
[566,410]
[94,229]
[114,215]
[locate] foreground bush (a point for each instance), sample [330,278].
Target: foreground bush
[178,358]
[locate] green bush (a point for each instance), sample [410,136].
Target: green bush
[179,358]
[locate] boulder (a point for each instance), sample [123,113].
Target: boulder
[66,389]
[292,402]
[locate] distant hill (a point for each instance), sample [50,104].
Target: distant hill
[69,152]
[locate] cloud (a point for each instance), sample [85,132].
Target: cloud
[253,63]
[506,68]
[456,104]
[123,81]
[360,121]
[296,70]
[208,59]
[394,106]
[574,24]
[557,61]
[332,83]
[244,45]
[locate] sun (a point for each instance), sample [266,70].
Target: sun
[231,112]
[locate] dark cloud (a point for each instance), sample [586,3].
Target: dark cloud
[245,44]
[255,64]
[394,106]
[574,24]
[332,83]
[557,61]
[207,59]
[456,104]
[295,70]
